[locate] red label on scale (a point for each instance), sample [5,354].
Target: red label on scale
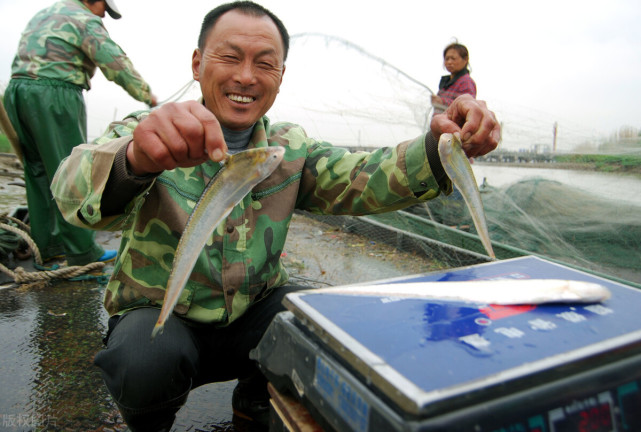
[495,312]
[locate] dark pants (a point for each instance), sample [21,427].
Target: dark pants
[50,120]
[150,381]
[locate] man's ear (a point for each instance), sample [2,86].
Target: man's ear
[195,64]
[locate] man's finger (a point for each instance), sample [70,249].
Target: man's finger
[213,140]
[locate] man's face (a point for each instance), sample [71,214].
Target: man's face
[240,68]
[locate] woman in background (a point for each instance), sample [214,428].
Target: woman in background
[456,61]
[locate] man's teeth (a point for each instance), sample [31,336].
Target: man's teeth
[242,99]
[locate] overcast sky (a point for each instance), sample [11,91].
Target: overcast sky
[577,62]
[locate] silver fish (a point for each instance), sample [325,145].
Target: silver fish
[239,174]
[499,292]
[458,169]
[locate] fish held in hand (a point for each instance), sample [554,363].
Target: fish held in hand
[498,292]
[458,169]
[236,178]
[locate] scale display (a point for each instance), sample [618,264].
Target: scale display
[430,356]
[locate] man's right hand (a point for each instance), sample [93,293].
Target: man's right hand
[480,130]
[181,134]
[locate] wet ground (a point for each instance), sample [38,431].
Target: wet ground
[49,334]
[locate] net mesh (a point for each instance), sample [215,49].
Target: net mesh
[358,99]
[343,94]
[554,220]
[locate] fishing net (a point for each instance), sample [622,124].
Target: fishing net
[341,93]
[361,101]
[553,220]
[345,95]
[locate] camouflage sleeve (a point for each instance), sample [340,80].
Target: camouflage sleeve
[114,63]
[336,181]
[81,178]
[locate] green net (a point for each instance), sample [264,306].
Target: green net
[548,218]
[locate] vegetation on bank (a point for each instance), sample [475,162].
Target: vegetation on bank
[604,163]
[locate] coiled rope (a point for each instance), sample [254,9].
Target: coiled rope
[41,274]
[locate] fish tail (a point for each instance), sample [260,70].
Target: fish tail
[158,329]
[490,251]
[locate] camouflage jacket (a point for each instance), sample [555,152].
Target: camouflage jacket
[241,261]
[66,42]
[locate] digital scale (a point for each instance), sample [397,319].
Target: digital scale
[375,363]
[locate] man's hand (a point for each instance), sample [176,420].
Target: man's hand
[479,129]
[182,134]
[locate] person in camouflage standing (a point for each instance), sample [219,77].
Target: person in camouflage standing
[145,175]
[57,56]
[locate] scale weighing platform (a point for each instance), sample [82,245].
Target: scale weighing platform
[374,363]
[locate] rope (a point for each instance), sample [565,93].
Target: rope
[21,276]
[18,222]
[43,274]
[25,236]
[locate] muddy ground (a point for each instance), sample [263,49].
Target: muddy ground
[49,334]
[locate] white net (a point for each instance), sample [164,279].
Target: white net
[350,97]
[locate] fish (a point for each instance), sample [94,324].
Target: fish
[458,169]
[496,291]
[236,178]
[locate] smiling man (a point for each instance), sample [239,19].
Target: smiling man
[240,72]
[145,175]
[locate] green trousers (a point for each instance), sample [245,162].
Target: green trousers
[50,119]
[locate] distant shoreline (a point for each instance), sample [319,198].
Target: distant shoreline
[633,170]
